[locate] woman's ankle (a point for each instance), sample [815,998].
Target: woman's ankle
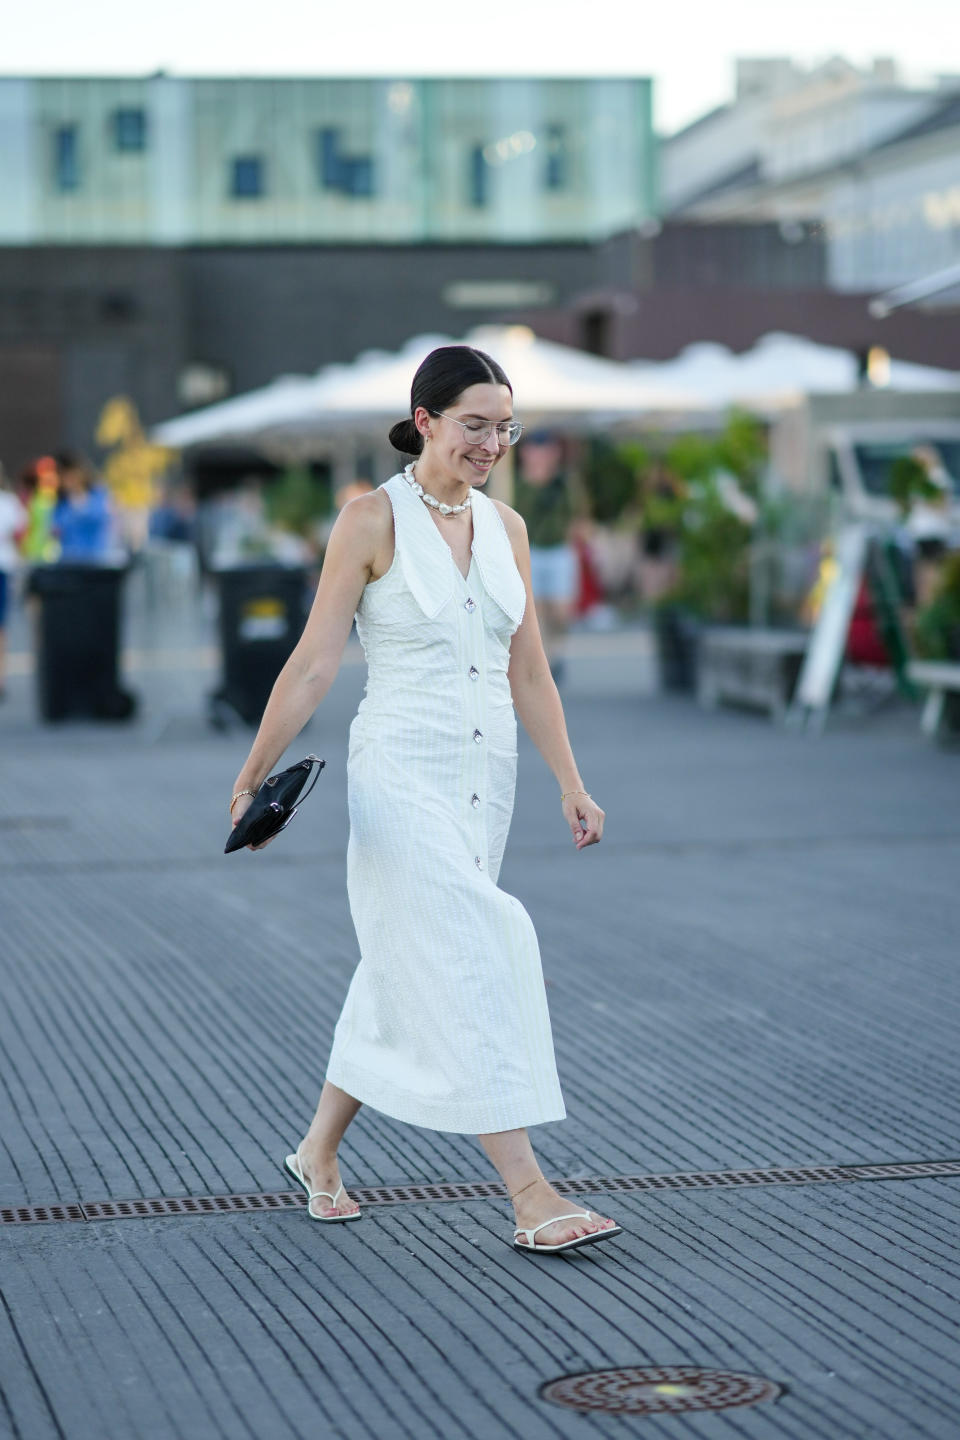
[319,1154]
[530,1198]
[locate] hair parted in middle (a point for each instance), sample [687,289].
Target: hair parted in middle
[440,381]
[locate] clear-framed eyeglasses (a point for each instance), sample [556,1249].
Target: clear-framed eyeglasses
[478,431]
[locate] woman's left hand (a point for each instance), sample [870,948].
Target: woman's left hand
[236,815]
[585,818]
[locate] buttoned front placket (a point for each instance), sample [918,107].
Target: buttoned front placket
[471,661]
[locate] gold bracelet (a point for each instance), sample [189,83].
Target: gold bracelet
[237,797]
[568,793]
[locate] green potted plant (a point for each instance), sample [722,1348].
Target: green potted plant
[937,624]
[712,514]
[296,502]
[910,481]
[937,632]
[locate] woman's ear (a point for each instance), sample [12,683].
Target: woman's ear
[421,418]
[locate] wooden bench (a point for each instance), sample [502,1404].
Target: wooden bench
[755,667]
[940,679]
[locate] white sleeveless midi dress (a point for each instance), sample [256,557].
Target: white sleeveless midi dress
[445,1024]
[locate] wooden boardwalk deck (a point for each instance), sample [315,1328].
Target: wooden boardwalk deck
[757,968]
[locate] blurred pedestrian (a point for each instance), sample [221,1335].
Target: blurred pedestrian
[83,517]
[39,486]
[662,500]
[13,521]
[929,523]
[445,1024]
[544,496]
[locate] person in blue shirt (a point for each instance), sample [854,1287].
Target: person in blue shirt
[83,517]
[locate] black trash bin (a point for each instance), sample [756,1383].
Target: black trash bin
[78,642]
[677,634]
[263,609]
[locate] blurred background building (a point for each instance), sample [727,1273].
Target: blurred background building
[871,162]
[788,209]
[181,240]
[177,240]
[167,161]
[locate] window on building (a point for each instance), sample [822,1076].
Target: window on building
[201,384]
[348,174]
[557,168]
[66,157]
[247,177]
[358,176]
[328,158]
[595,332]
[118,307]
[479,178]
[129,130]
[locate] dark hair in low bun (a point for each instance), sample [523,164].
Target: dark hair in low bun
[405,437]
[439,382]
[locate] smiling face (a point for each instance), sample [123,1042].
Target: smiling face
[450,453]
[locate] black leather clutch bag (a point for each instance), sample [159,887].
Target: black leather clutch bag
[274,805]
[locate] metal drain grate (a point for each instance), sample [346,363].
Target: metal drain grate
[414,1194]
[191,1205]
[799,1175]
[473,1190]
[39,1214]
[658,1389]
[146,1209]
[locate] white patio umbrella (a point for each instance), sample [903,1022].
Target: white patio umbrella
[302,415]
[553,384]
[777,371]
[243,418]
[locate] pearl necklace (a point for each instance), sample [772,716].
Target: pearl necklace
[445,510]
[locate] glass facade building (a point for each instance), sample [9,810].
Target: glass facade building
[176,161]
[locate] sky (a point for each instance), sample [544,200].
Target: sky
[687,47]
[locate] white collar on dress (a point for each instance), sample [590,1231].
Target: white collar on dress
[427,561]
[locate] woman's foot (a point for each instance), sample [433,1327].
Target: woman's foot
[323,1173]
[540,1201]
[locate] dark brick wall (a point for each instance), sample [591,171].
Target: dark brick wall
[31,408]
[760,257]
[265,311]
[699,257]
[78,326]
[656,324]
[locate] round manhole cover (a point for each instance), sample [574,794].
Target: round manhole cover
[648,1390]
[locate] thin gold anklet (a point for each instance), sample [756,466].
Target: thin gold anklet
[526,1187]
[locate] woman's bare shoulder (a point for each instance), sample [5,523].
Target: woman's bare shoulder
[513,523]
[363,534]
[366,517]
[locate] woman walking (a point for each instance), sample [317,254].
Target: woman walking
[13,520]
[445,1024]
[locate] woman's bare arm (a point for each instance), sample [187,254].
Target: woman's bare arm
[357,550]
[537,700]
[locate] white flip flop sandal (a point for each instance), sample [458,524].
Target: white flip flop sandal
[293,1167]
[531,1247]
